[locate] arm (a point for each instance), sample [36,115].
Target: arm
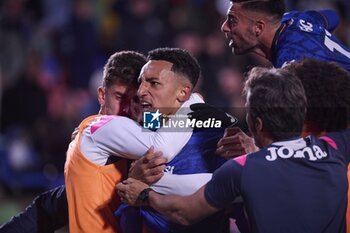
[128,139]
[219,192]
[234,143]
[149,169]
[181,184]
[184,210]
[48,212]
[181,209]
[122,137]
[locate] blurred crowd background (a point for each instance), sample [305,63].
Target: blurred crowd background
[51,57]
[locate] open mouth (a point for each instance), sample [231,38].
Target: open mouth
[231,44]
[146,107]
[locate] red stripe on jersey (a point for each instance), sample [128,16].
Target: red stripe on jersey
[330,141]
[241,160]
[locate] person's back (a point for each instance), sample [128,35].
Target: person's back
[292,184]
[299,185]
[90,189]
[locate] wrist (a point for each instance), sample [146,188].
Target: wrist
[144,196]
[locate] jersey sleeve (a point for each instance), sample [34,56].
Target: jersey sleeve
[225,185]
[327,18]
[340,141]
[330,18]
[124,137]
[183,185]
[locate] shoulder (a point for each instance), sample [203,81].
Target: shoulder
[311,19]
[99,123]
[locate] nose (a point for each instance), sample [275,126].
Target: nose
[142,89]
[225,27]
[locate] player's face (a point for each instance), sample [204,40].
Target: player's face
[118,99]
[239,30]
[159,87]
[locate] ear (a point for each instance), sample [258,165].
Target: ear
[184,93]
[259,27]
[259,125]
[101,95]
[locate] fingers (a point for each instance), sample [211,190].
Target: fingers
[154,178]
[232,131]
[148,155]
[229,140]
[230,153]
[157,170]
[235,143]
[129,190]
[155,162]
[232,144]
[149,168]
[121,187]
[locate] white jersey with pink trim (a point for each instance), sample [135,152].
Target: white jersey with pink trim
[120,136]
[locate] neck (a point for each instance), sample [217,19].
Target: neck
[266,40]
[266,142]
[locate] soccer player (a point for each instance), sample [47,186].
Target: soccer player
[291,184]
[163,82]
[166,82]
[49,211]
[261,27]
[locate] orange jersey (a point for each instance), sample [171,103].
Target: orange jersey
[90,188]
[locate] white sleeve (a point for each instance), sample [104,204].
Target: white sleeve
[123,137]
[183,185]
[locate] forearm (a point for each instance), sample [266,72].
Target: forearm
[170,207]
[48,212]
[184,210]
[129,140]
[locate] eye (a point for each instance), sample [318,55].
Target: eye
[118,97]
[154,83]
[231,21]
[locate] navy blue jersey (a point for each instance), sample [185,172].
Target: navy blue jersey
[308,34]
[197,156]
[291,186]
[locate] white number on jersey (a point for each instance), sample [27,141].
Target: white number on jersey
[305,26]
[332,45]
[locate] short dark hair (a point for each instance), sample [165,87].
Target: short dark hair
[183,62]
[123,67]
[275,8]
[327,88]
[278,98]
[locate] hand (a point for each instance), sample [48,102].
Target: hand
[129,191]
[203,112]
[235,143]
[149,169]
[75,133]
